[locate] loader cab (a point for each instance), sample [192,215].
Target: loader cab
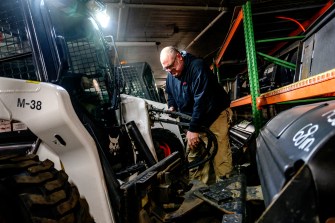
[58,42]
[83,66]
[140,82]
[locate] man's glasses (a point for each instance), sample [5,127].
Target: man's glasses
[171,66]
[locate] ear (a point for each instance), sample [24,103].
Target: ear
[178,55]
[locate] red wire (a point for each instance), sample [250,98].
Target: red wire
[293,20]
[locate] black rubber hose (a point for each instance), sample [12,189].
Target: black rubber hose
[210,135]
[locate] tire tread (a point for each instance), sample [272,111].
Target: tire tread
[44,192]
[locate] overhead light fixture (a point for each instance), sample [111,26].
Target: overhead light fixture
[103,18]
[99,11]
[137,43]
[111,41]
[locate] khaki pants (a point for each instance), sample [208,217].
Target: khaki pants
[222,162]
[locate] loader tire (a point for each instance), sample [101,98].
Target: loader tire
[166,142]
[34,191]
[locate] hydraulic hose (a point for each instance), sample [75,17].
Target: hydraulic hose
[210,135]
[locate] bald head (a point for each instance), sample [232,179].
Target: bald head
[171,60]
[168,51]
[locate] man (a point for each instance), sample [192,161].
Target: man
[192,89]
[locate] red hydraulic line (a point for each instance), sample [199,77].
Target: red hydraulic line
[306,24]
[293,20]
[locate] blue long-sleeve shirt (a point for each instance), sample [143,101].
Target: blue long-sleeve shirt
[197,93]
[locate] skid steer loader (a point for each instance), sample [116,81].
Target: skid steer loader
[73,148]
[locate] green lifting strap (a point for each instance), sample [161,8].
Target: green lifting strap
[278,61]
[311,100]
[279,39]
[216,72]
[252,64]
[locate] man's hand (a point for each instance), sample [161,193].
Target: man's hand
[172,109]
[192,139]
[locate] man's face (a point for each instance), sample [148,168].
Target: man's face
[173,64]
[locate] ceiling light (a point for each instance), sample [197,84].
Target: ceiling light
[103,18]
[137,43]
[98,10]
